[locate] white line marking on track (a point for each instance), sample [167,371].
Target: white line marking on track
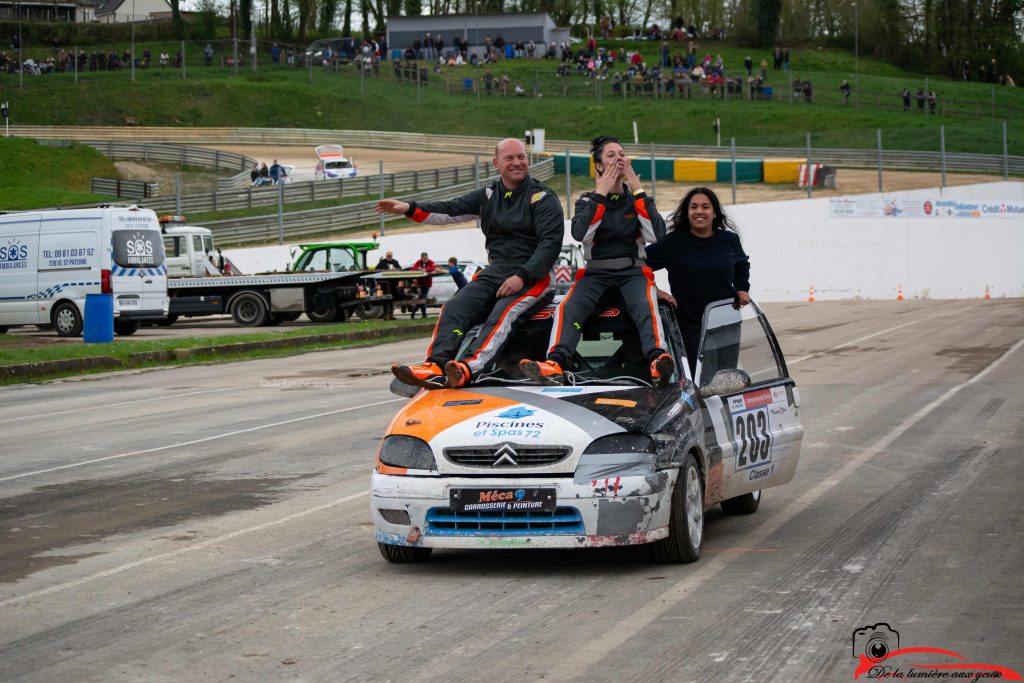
[809,356]
[165,447]
[595,650]
[106,406]
[180,551]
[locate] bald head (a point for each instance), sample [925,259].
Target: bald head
[511,162]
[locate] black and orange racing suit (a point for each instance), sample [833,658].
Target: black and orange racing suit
[523,228]
[613,230]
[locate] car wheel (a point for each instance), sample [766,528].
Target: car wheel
[742,505]
[323,316]
[126,328]
[66,319]
[369,311]
[168,321]
[249,310]
[686,521]
[402,554]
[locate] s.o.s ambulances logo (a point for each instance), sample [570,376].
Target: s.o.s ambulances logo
[13,255]
[139,248]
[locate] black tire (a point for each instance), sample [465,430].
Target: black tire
[249,309]
[44,328]
[290,316]
[126,328]
[686,523]
[168,321]
[404,554]
[369,311]
[66,319]
[3,329]
[746,504]
[328,316]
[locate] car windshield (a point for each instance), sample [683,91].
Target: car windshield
[338,164]
[609,351]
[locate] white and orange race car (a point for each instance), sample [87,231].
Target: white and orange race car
[607,459]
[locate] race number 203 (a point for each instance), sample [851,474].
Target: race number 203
[753,438]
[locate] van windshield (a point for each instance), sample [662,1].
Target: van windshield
[137,248]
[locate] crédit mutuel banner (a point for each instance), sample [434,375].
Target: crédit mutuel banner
[925,208]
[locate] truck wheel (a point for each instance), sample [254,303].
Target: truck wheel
[369,311]
[403,553]
[323,316]
[66,319]
[168,321]
[126,328]
[249,310]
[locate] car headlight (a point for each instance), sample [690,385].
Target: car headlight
[621,443]
[408,452]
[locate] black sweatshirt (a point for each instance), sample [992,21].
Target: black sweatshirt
[523,227]
[701,269]
[617,225]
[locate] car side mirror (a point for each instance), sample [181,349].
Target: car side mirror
[400,388]
[727,381]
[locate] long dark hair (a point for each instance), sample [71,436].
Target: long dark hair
[680,219]
[597,147]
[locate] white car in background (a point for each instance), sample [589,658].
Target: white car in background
[333,164]
[443,287]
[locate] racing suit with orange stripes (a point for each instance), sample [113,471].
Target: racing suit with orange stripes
[613,230]
[523,228]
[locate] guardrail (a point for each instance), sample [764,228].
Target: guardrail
[299,223]
[862,158]
[131,189]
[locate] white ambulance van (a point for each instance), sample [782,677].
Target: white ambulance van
[49,261]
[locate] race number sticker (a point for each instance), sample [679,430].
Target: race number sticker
[751,416]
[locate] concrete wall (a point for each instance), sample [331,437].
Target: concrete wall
[794,245]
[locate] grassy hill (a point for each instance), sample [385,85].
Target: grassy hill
[279,96]
[34,175]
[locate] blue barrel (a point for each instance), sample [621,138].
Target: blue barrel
[99,319]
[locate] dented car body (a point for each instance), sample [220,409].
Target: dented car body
[607,459]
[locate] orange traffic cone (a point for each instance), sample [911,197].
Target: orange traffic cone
[899,293]
[811,298]
[987,294]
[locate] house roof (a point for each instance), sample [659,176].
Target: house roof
[108,6]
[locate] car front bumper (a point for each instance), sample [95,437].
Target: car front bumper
[415,511]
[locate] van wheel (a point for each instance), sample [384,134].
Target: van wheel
[746,504]
[126,328]
[249,310]
[66,319]
[402,554]
[686,521]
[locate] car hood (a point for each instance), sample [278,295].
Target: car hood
[540,416]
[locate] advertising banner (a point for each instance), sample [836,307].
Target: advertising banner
[858,207]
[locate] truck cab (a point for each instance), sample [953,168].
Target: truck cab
[189,249]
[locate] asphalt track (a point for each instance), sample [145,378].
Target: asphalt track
[211,523]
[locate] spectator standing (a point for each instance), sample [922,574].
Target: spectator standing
[785,60]
[932,101]
[844,89]
[764,70]
[424,283]
[458,277]
[776,58]
[748,64]
[388,262]
[165,58]
[920,99]
[208,54]
[905,94]
[275,54]
[146,56]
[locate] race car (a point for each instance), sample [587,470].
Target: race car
[606,458]
[333,164]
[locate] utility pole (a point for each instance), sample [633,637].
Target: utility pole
[252,36]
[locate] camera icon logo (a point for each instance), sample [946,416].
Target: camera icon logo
[875,642]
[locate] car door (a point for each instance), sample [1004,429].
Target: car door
[752,404]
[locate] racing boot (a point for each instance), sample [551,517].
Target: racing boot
[662,368]
[428,376]
[541,372]
[457,373]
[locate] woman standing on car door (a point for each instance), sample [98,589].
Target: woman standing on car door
[705,262]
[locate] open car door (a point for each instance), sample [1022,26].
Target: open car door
[751,402]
